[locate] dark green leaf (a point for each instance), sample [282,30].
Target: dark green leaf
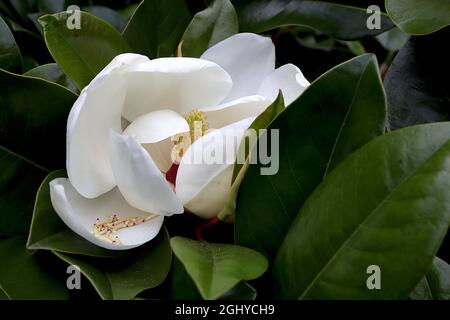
[10,58]
[217,268]
[19,181]
[49,232]
[417,83]
[146,267]
[33,118]
[419,16]
[107,14]
[23,276]
[51,6]
[157,26]
[338,113]
[242,291]
[386,205]
[53,73]
[210,26]
[436,283]
[81,53]
[337,19]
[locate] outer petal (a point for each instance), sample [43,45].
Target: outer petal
[97,109]
[80,214]
[289,79]
[139,179]
[202,185]
[247,57]
[236,110]
[156,126]
[122,63]
[179,84]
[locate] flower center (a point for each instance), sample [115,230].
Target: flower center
[105,230]
[198,127]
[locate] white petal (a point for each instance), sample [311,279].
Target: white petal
[156,126]
[97,109]
[80,215]
[247,57]
[179,84]
[236,110]
[121,64]
[195,174]
[139,179]
[289,79]
[161,153]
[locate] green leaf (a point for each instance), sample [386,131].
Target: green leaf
[33,118]
[436,283]
[182,287]
[261,122]
[24,277]
[386,205]
[19,181]
[156,27]
[338,113]
[120,279]
[10,58]
[334,18]
[242,291]
[51,6]
[107,14]
[217,268]
[416,85]
[49,232]
[210,26]
[81,53]
[53,73]
[393,40]
[419,16]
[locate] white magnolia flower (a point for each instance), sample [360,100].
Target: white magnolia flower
[123,127]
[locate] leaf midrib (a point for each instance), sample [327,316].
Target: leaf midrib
[357,228]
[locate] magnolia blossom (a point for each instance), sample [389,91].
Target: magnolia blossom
[124,127]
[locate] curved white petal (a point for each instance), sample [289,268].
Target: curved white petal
[80,215]
[139,179]
[236,110]
[179,84]
[247,57]
[156,126]
[198,170]
[161,153]
[289,79]
[97,109]
[121,64]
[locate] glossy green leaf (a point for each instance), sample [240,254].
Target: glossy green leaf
[156,27]
[10,58]
[210,26]
[436,283]
[49,232]
[335,18]
[419,16]
[33,118]
[217,268]
[107,14]
[24,276]
[338,113]
[416,83]
[19,181]
[182,287]
[386,205]
[53,73]
[146,267]
[81,53]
